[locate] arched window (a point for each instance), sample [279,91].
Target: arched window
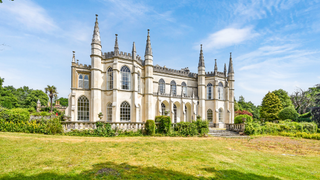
[220,91]
[209,91]
[139,86]
[80,84]
[86,82]
[83,109]
[175,113]
[210,115]
[125,111]
[185,114]
[173,88]
[163,109]
[109,78]
[184,89]
[109,112]
[125,78]
[162,86]
[220,115]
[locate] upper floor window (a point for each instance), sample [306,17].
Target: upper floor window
[83,81]
[125,78]
[184,89]
[209,91]
[109,78]
[220,91]
[162,86]
[173,88]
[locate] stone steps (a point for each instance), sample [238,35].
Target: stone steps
[223,133]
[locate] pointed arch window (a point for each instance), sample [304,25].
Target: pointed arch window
[162,86]
[109,78]
[109,112]
[209,91]
[125,78]
[220,91]
[80,84]
[86,82]
[184,89]
[163,109]
[83,109]
[220,115]
[185,114]
[173,88]
[210,115]
[175,113]
[125,111]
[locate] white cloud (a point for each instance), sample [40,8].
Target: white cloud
[228,37]
[26,15]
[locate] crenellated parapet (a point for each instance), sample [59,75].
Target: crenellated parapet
[183,72]
[123,55]
[211,74]
[81,66]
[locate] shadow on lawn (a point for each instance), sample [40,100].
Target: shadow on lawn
[110,170]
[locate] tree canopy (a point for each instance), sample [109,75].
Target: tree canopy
[284,98]
[271,106]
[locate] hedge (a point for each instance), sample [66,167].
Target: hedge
[150,127]
[164,125]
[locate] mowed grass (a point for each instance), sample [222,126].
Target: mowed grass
[34,156]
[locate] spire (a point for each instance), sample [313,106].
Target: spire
[201,58]
[116,46]
[148,46]
[230,70]
[73,57]
[96,33]
[215,68]
[134,52]
[225,70]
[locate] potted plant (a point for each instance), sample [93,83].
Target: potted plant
[100,115]
[166,113]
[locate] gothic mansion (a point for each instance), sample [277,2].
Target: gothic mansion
[126,88]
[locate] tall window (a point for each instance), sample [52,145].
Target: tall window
[162,86]
[220,115]
[173,88]
[80,84]
[125,78]
[125,111]
[163,109]
[175,113]
[109,112]
[139,86]
[109,78]
[220,91]
[209,91]
[185,114]
[83,109]
[184,89]
[86,82]
[210,115]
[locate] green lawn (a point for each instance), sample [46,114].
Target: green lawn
[34,156]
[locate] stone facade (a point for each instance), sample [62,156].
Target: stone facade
[126,88]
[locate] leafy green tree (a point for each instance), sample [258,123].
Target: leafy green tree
[21,94]
[63,101]
[284,98]
[288,113]
[248,106]
[271,106]
[32,98]
[7,99]
[52,92]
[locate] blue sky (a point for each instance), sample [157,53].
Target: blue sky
[275,44]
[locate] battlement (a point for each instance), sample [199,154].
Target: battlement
[183,72]
[122,55]
[82,66]
[210,74]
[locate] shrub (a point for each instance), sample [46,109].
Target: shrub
[288,113]
[202,126]
[239,112]
[53,126]
[186,129]
[164,125]
[238,119]
[150,127]
[15,115]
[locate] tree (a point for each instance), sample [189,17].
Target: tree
[284,98]
[63,101]
[248,106]
[1,1]
[271,106]
[32,98]
[52,92]
[288,113]
[302,100]
[7,99]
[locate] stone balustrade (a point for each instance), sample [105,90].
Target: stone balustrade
[86,125]
[235,127]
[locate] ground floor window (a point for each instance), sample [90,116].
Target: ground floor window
[210,115]
[109,112]
[83,109]
[175,113]
[125,111]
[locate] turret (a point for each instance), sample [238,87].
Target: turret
[116,46]
[225,70]
[201,85]
[231,89]
[148,58]
[215,68]
[134,52]
[96,46]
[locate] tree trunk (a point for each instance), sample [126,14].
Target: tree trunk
[51,103]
